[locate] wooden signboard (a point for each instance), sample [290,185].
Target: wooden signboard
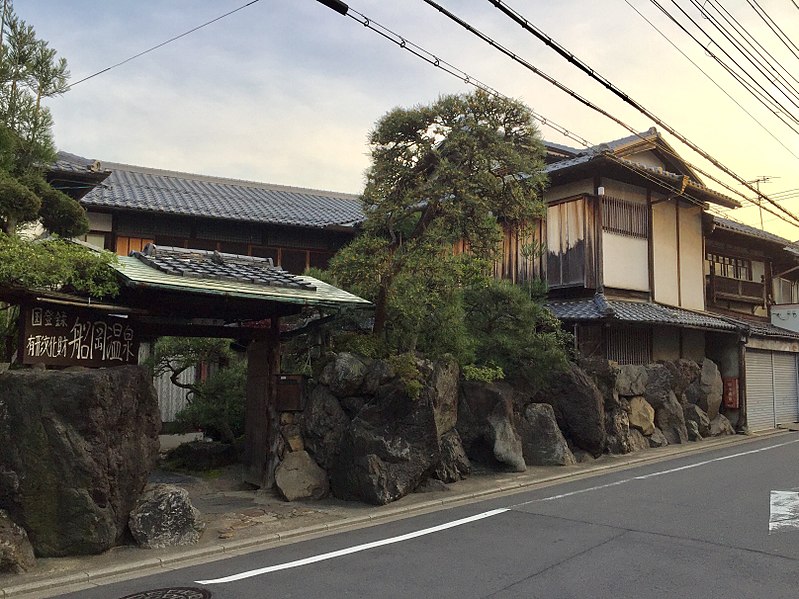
[59,336]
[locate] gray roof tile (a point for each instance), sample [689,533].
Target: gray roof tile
[633,312]
[152,190]
[729,225]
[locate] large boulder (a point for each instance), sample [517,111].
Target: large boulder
[299,477]
[605,375]
[478,401]
[16,551]
[658,439]
[670,419]
[542,442]
[707,390]
[453,464]
[641,415]
[638,441]
[631,380]
[694,413]
[441,390]
[388,449]
[617,427]
[659,385]
[324,425]
[721,426]
[164,517]
[506,443]
[343,375]
[579,408]
[77,448]
[683,373]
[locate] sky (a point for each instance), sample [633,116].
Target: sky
[287,91]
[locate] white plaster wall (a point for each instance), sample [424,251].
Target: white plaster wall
[624,191]
[692,280]
[664,245]
[569,190]
[665,343]
[625,262]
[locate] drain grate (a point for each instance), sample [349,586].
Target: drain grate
[171,593]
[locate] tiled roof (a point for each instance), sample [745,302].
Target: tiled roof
[729,225]
[633,312]
[166,192]
[311,292]
[205,264]
[72,163]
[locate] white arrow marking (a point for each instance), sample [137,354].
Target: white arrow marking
[784,511]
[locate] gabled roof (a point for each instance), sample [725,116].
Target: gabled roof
[143,189]
[72,163]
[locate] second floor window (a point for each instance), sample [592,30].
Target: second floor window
[729,267]
[625,218]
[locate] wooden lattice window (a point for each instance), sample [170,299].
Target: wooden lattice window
[625,218]
[629,345]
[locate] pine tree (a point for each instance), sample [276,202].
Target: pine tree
[30,73]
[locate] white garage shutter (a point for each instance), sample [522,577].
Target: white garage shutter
[759,390]
[786,394]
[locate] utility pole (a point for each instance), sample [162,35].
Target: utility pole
[757,182]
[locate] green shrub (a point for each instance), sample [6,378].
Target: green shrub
[407,371]
[487,374]
[217,405]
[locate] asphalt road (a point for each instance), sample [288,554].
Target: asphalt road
[704,525]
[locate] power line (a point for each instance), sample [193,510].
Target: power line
[527,26]
[756,59]
[162,44]
[713,81]
[758,94]
[761,12]
[432,59]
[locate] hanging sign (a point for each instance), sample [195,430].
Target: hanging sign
[59,336]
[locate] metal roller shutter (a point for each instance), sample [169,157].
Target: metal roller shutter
[759,390]
[786,394]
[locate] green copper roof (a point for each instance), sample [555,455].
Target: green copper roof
[319,293]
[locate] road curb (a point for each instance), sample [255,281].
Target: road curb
[263,541]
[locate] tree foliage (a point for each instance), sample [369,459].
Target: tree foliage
[56,264]
[30,73]
[217,404]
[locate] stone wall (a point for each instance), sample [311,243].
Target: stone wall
[374,438]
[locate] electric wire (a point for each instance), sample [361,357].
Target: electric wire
[758,94]
[775,28]
[527,26]
[164,43]
[777,75]
[744,32]
[757,60]
[432,59]
[713,81]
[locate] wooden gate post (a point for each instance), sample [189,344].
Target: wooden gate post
[261,423]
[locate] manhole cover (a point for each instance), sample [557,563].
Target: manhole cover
[172,593]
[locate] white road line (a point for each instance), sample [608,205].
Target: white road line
[434,529]
[659,473]
[784,511]
[356,549]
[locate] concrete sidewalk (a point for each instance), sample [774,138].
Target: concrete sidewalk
[239,520]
